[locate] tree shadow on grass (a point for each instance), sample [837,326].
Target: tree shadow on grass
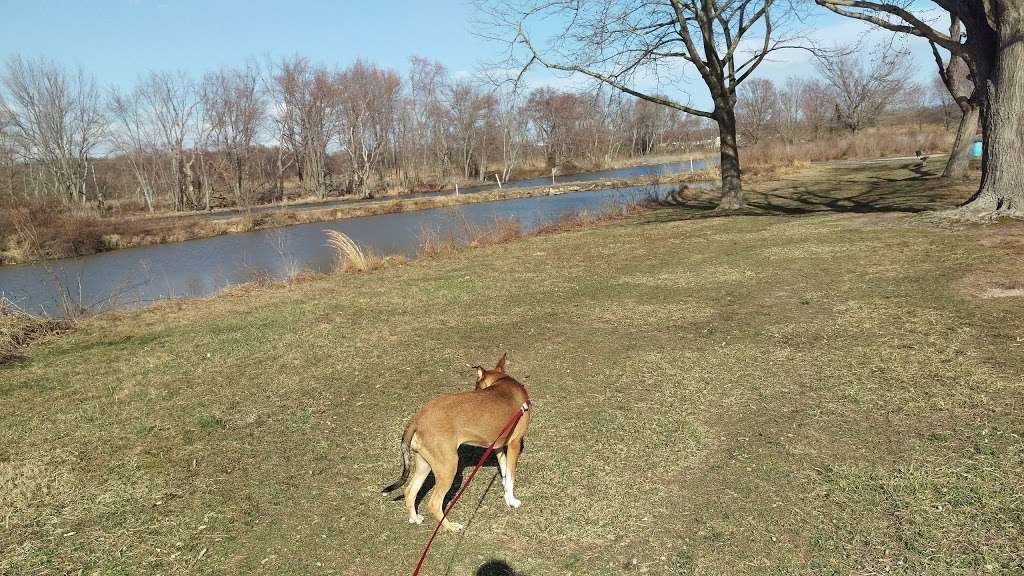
[876,195]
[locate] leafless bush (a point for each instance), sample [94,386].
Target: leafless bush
[18,329]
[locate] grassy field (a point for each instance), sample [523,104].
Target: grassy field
[828,384]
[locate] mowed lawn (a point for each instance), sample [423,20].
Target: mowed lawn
[771,393]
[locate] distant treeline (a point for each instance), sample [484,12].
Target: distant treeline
[254,134]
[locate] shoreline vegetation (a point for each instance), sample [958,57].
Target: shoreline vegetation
[712,336]
[35,233]
[20,329]
[793,190]
[73,235]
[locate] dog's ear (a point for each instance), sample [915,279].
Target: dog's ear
[500,366]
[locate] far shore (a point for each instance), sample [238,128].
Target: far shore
[104,235]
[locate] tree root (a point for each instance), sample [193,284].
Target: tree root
[969,215]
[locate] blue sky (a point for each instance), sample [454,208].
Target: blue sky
[120,40]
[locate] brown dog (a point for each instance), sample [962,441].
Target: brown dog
[432,439]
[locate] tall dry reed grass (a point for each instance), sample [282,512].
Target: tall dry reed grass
[869,143]
[349,256]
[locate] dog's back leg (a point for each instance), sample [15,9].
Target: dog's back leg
[444,463]
[420,470]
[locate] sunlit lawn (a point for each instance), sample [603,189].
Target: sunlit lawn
[773,393]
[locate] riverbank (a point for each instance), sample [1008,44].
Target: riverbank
[829,381]
[37,237]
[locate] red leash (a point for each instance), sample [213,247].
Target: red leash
[511,424]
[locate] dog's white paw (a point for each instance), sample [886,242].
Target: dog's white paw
[513,502]
[417,519]
[454,526]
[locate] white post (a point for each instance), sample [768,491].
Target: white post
[552,176]
[691,163]
[456,188]
[498,178]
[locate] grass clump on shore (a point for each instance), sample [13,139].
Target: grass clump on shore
[18,330]
[349,255]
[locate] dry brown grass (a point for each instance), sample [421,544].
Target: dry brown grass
[591,218]
[762,172]
[46,232]
[435,242]
[874,142]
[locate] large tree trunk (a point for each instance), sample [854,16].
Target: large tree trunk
[1001,68]
[960,155]
[732,185]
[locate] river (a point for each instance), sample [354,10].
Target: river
[135,277]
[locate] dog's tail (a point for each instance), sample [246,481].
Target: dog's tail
[406,460]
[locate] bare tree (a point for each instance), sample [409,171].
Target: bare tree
[942,100]
[618,42]
[864,88]
[757,110]
[790,118]
[57,120]
[304,96]
[647,124]
[468,107]
[367,98]
[234,111]
[513,124]
[555,116]
[172,103]
[133,137]
[8,150]
[994,53]
[816,107]
[430,133]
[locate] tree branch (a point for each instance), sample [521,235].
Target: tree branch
[608,80]
[913,26]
